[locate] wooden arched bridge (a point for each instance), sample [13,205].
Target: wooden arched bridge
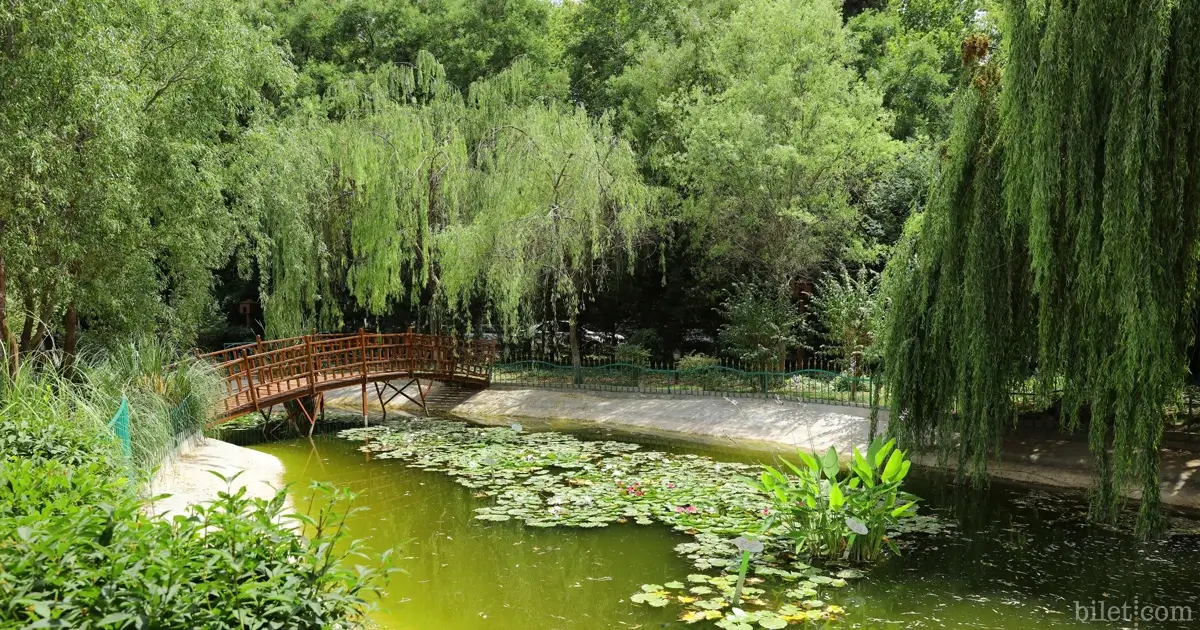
[265,373]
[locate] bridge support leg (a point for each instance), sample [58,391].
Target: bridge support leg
[312,416]
[420,393]
[364,402]
[384,386]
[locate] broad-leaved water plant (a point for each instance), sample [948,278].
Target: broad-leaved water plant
[831,515]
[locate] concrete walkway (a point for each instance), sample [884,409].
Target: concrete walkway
[769,425]
[187,477]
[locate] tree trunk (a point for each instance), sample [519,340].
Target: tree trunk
[576,359]
[6,337]
[71,342]
[27,328]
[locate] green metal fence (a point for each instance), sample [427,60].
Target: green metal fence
[815,385]
[119,425]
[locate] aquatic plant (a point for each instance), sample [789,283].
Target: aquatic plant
[828,516]
[547,479]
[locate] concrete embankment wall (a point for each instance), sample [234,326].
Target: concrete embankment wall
[767,424]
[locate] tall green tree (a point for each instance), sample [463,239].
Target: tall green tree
[771,150]
[117,118]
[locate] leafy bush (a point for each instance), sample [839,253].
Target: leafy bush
[696,361]
[76,551]
[632,354]
[845,310]
[761,325]
[44,417]
[701,370]
[833,517]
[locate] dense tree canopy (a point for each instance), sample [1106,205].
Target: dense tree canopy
[116,121]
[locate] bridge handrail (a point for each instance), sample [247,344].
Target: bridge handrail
[268,372]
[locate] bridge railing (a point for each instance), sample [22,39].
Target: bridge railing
[268,372]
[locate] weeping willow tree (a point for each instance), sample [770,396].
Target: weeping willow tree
[350,193]
[955,338]
[1060,241]
[397,188]
[1102,107]
[557,197]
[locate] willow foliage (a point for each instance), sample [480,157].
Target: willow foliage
[1089,168]
[558,195]
[396,187]
[958,294]
[1103,105]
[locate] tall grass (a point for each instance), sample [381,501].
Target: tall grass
[170,396]
[43,416]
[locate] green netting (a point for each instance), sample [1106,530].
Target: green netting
[119,425]
[809,385]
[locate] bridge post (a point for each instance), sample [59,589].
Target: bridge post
[362,344]
[250,381]
[412,355]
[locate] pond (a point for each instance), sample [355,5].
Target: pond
[1012,558]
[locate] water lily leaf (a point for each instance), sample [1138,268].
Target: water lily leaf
[699,577]
[651,588]
[772,622]
[849,574]
[675,585]
[700,590]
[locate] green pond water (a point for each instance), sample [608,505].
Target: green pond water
[1019,558]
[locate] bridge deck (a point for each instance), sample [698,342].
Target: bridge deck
[263,374]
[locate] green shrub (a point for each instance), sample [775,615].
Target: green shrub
[632,354]
[696,361]
[700,370]
[43,417]
[76,551]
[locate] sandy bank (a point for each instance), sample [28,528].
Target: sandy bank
[187,477]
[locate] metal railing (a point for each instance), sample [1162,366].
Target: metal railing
[809,385]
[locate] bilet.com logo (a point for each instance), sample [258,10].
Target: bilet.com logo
[1105,611]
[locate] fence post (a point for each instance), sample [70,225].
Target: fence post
[250,381]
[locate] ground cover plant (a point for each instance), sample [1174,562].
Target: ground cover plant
[77,551]
[547,479]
